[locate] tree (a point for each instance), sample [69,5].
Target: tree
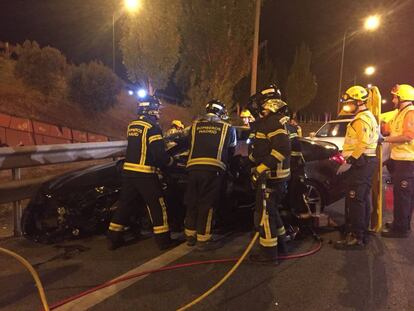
[40,68]
[150,43]
[301,83]
[267,73]
[94,86]
[217,36]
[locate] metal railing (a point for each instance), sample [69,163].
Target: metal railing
[30,156]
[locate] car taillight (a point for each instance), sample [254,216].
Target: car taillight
[338,158]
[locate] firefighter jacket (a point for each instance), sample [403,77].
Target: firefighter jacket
[146,148]
[271,148]
[211,139]
[402,151]
[361,136]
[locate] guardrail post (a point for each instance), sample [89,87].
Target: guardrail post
[17,207]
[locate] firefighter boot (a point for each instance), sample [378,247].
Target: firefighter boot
[191,240]
[282,246]
[115,239]
[265,255]
[165,242]
[392,232]
[204,246]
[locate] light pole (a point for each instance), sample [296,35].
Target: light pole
[253,81]
[371,23]
[131,6]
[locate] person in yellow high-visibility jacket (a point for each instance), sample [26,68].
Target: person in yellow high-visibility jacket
[400,133]
[359,148]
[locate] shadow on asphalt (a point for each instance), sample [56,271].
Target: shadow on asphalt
[21,285]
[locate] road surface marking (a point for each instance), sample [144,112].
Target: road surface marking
[97,297]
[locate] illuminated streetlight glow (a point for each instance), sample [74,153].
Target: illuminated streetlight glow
[384,101]
[130,92]
[132,5]
[369,85]
[370,70]
[372,22]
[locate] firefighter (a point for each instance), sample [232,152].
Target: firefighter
[359,150]
[212,142]
[177,127]
[297,161]
[271,155]
[400,133]
[295,132]
[247,117]
[144,155]
[294,123]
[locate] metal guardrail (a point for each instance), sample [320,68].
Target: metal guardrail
[19,157]
[29,156]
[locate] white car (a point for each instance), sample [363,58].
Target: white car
[333,132]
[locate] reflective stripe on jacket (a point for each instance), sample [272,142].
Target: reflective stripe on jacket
[146,149]
[211,139]
[272,148]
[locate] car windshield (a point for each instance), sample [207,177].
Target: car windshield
[333,129]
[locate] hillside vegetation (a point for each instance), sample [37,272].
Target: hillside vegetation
[16,98]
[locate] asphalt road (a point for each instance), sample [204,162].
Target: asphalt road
[378,278]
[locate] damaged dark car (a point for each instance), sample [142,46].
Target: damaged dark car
[80,203]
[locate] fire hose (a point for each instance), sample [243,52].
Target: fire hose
[185,265]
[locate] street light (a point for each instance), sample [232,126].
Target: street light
[370,70]
[371,24]
[131,6]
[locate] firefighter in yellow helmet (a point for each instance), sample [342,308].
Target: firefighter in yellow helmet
[177,127]
[400,133]
[246,117]
[359,150]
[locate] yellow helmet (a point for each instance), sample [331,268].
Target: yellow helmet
[177,123]
[275,105]
[245,114]
[403,91]
[354,93]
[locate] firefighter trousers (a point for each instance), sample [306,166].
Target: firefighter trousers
[201,198]
[403,180]
[358,196]
[136,192]
[267,220]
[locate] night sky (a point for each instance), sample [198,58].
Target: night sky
[82,30]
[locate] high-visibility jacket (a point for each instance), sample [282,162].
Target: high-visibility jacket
[361,136]
[146,148]
[271,148]
[401,151]
[211,139]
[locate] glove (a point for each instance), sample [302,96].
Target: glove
[343,168]
[257,173]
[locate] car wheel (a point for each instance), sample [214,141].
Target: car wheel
[313,197]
